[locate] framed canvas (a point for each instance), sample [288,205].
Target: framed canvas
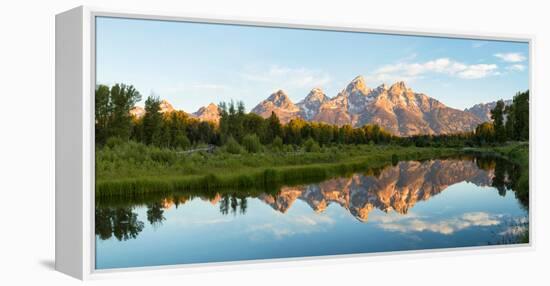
[190,142]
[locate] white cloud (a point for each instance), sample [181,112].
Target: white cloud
[286,77]
[478,71]
[289,225]
[411,71]
[516,67]
[511,57]
[413,223]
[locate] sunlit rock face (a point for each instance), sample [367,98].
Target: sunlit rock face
[165,107]
[208,113]
[397,188]
[310,106]
[280,104]
[137,111]
[345,107]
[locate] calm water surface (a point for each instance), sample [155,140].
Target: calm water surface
[411,205]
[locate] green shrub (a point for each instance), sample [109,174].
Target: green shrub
[277,144]
[181,141]
[288,148]
[251,143]
[232,146]
[113,142]
[162,156]
[312,145]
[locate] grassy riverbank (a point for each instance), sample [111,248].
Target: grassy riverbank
[132,168]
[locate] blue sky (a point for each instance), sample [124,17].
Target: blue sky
[192,64]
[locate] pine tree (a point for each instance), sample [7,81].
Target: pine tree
[274,127]
[497,114]
[103,110]
[152,121]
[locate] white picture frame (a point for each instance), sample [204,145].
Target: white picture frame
[74,125]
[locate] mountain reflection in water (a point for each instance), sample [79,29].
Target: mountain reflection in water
[394,188]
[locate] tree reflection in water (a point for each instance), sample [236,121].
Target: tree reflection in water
[360,193]
[506,177]
[120,222]
[233,203]
[155,214]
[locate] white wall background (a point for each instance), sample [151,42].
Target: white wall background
[27,141]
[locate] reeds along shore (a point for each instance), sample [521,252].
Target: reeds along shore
[266,171]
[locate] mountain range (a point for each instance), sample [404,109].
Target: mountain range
[483,110]
[396,108]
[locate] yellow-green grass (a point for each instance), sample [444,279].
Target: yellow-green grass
[267,170]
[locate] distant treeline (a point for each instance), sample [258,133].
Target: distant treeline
[509,122]
[238,130]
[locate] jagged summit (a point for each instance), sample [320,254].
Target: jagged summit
[310,105]
[316,94]
[208,113]
[166,106]
[279,103]
[398,87]
[358,84]
[280,98]
[359,80]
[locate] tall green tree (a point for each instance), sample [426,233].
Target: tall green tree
[112,108]
[103,111]
[123,98]
[485,133]
[274,128]
[518,115]
[152,121]
[178,122]
[232,119]
[497,114]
